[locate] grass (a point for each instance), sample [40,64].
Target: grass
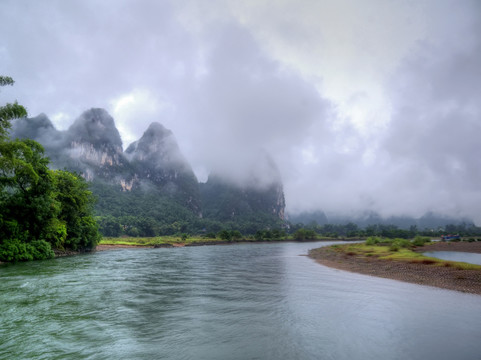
[152,241]
[386,252]
[171,240]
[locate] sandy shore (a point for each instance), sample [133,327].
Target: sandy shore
[425,274]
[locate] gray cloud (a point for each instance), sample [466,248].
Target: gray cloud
[232,86]
[436,126]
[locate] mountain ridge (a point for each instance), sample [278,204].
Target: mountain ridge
[150,166]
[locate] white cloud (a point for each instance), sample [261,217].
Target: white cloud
[140,106]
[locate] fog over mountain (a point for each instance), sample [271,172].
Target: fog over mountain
[153,167]
[363,106]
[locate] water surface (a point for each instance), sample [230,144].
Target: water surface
[466,257]
[246,301]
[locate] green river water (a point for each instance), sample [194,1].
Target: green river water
[245,301]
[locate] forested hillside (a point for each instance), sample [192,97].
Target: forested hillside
[150,189]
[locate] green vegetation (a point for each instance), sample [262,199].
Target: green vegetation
[41,209]
[351,230]
[151,213]
[397,250]
[271,235]
[305,234]
[157,241]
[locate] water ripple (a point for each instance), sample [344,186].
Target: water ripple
[227,302]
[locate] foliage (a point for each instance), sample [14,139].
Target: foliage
[269,235]
[13,250]
[236,235]
[305,234]
[76,207]
[6,80]
[40,208]
[225,235]
[373,240]
[229,235]
[398,244]
[420,240]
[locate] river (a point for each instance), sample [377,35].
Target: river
[244,301]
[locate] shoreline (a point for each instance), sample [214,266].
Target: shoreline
[468,281]
[105,247]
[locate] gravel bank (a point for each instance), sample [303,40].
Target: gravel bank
[425,274]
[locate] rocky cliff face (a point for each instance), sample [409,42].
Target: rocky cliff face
[92,147]
[156,157]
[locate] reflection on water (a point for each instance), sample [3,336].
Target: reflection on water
[455,256]
[250,301]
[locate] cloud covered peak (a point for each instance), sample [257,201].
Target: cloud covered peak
[97,127]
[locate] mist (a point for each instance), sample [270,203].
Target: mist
[373,106]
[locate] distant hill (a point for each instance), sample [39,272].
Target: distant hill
[427,221]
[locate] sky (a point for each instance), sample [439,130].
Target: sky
[363,105]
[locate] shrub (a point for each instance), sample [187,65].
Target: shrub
[373,240]
[398,244]
[13,250]
[236,235]
[394,247]
[225,235]
[305,234]
[421,240]
[41,250]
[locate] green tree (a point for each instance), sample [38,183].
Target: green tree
[76,209]
[26,186]
[109,226]
[236,235]
[39,208]
[25,201]
[9,112]
[225,235]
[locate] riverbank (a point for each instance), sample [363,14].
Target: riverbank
[170,242]
[423,273]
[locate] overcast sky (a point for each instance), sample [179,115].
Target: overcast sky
[372,104]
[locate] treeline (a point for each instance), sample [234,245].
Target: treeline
[262,228]
[352,230]
[149,226]
[42,210]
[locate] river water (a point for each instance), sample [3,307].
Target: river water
[245,301]
[471,258]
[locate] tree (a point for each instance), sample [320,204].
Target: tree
[25,202]
[39,208]
[76,208]
[9,111]
[304,234]
[225,235]
[236,235]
